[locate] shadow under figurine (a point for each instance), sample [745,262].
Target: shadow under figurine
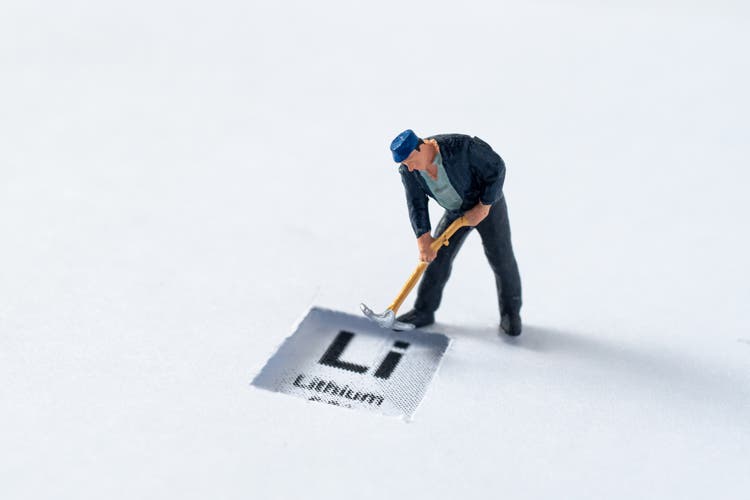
[465,177]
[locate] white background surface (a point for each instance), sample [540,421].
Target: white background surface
[180,181]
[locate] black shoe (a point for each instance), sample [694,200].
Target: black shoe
[417,318]
[511,324]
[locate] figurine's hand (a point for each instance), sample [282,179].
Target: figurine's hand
[477,214]
[426,254]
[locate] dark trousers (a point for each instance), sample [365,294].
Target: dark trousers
[495,233]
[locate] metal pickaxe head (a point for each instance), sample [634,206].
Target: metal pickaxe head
[385,320]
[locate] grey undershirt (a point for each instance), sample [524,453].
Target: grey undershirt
[445,193]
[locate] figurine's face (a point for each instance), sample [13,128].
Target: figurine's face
[419,160]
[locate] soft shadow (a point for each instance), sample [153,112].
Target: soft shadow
[534,338]
[673,372]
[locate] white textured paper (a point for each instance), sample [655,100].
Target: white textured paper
[372,368]
[179,181]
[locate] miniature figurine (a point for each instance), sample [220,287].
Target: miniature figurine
[464,176]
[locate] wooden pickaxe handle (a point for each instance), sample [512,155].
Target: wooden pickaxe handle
[439,242]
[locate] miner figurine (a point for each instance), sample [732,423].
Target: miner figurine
[464,176]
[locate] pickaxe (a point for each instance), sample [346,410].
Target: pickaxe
[388,318]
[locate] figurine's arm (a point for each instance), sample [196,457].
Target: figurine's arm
[424,245]
[416,200]
[476,214]
[490,169]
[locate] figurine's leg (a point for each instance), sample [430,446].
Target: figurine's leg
[495,233]
[436,275]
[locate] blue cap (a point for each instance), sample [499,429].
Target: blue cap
[403,145]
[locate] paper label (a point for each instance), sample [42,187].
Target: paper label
[349,361]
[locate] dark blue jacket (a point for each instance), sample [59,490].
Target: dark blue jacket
[474,169]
